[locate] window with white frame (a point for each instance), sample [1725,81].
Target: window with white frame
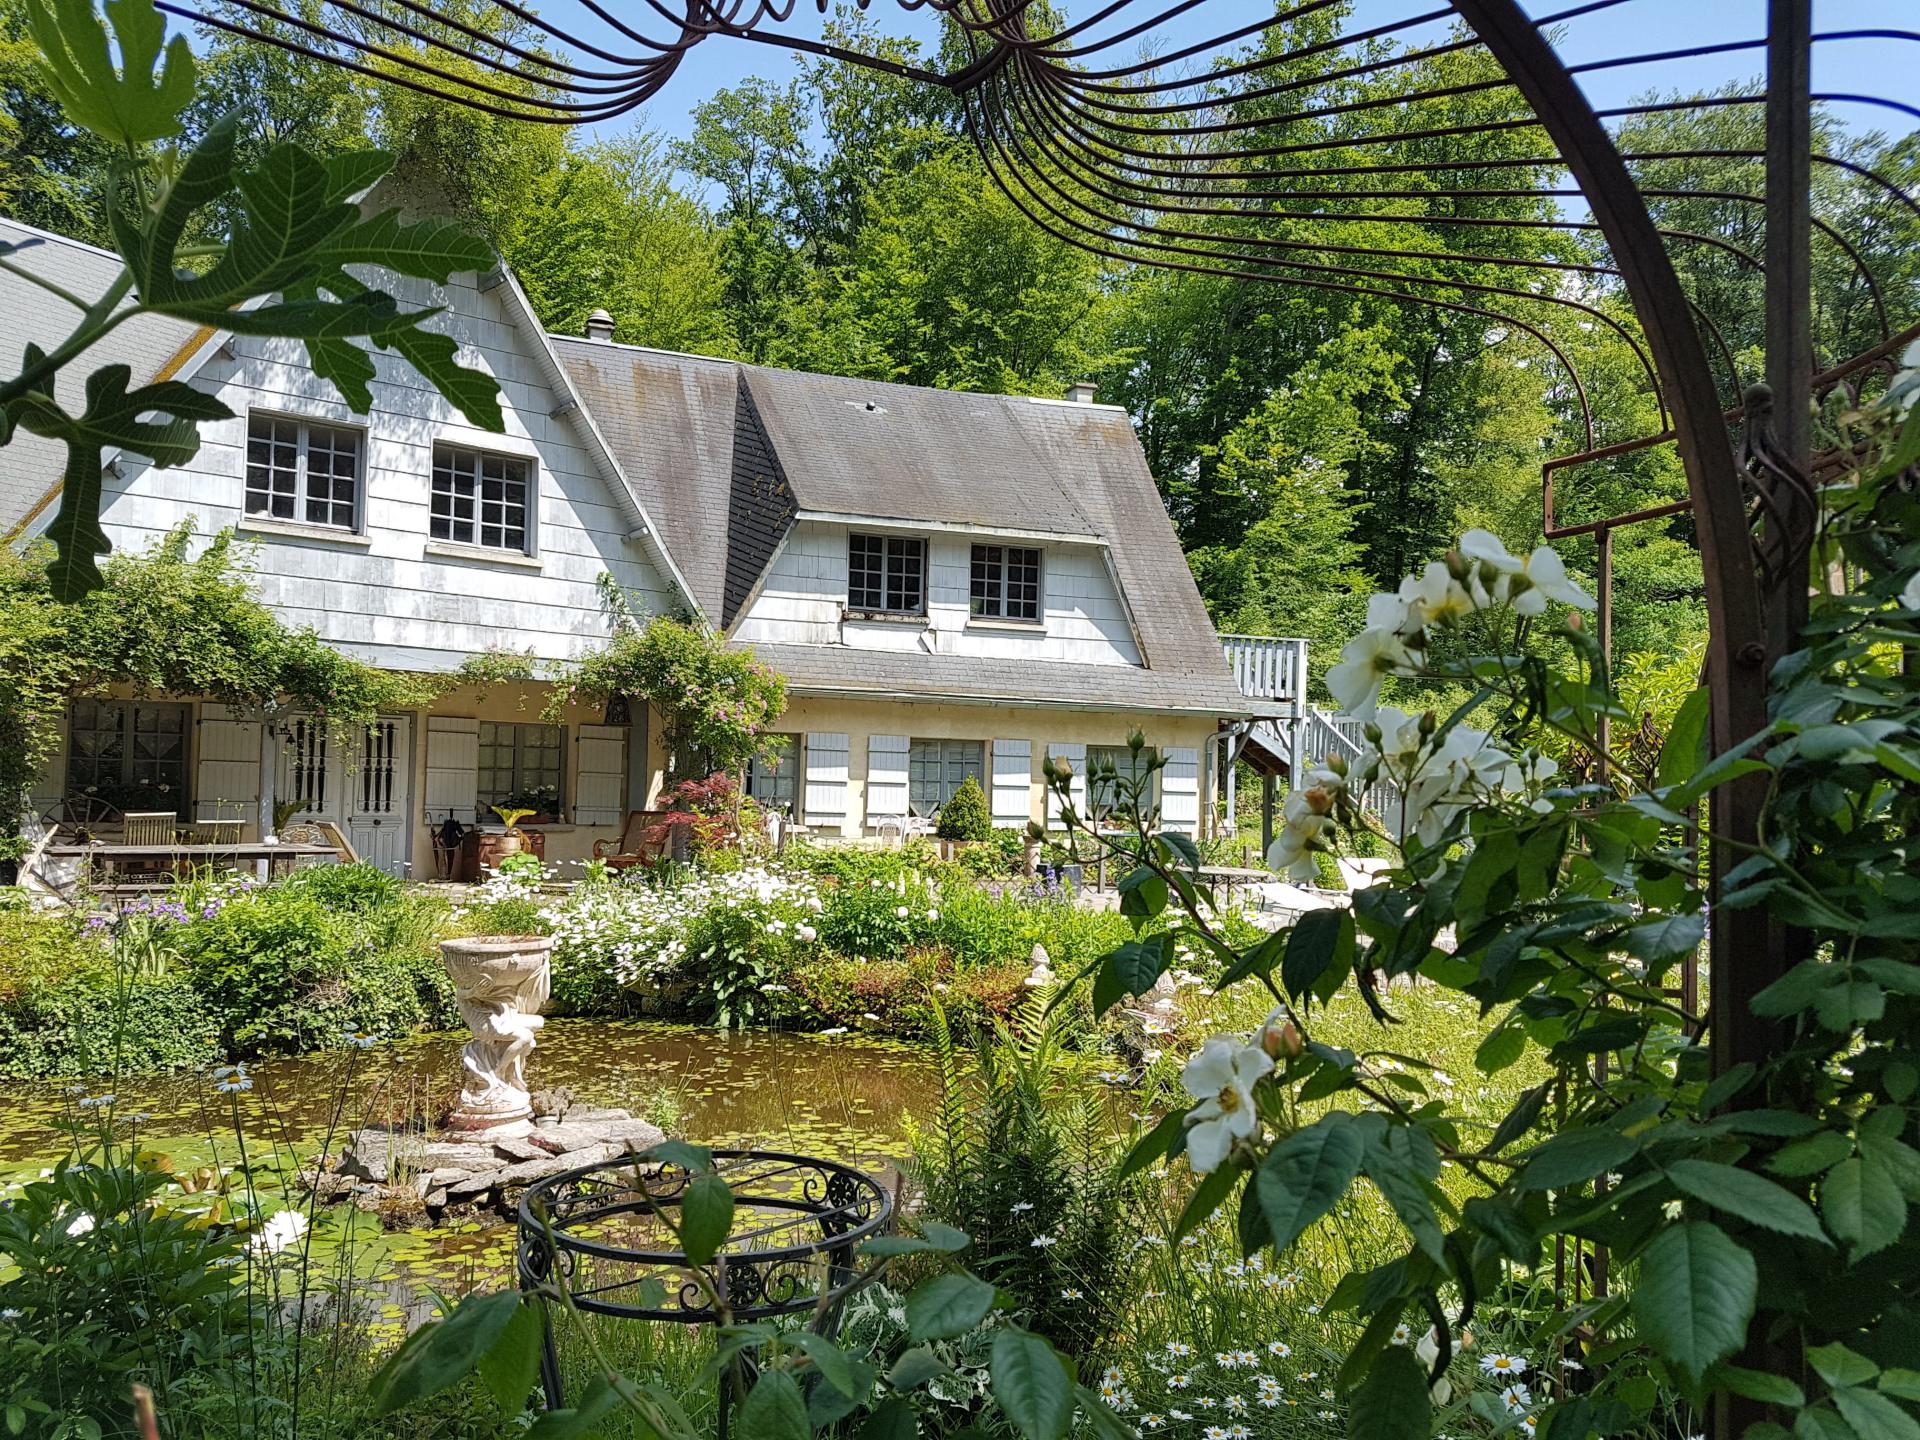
[1117,777]
[938,768]
[773,775]
[482,498]
[305,472]
[521,767]
[887,573]
[1006,582]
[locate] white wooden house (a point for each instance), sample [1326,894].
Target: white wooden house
[952,584]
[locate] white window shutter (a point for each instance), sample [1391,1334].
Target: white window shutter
[453,768]
[1012,783]
[1180,790]
[1076,756]
[826,781]
[226,783]
[600,777]
[50,782]
[887,776]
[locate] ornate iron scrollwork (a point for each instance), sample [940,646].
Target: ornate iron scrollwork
[1782,507]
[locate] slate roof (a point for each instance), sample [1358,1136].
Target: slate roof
[29,464]
[834,446]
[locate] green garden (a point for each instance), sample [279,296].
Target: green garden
[1478,1148]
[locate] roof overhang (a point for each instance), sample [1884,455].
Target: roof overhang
[950,527]
[1018,702]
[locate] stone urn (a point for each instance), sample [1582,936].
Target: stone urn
[500,983]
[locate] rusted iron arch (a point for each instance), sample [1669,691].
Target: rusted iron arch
[1268,62]
[1109,223]
[459,95]
[1600,316]
[638,66]
[1103,240]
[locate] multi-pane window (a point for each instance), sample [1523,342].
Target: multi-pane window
[520,767]
[937,768]
[1115,777]
[1006,582]
[887,572]
[301,471]
[131,754]
[773,775]
[480,498]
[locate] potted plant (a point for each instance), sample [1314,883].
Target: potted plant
[964,819]
[484,851]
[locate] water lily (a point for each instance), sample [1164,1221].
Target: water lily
[281,1230]
[1221,1077]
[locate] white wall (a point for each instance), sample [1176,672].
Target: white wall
[379,596]
[806,592]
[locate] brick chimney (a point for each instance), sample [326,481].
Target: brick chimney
[1081,392]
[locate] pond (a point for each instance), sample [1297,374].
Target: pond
[846,1097]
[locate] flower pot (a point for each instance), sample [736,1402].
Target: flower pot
[482,851]
[500,984]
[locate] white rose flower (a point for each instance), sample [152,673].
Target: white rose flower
[1365,661]
[1221,1077]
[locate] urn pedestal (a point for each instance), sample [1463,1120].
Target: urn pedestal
[500,983]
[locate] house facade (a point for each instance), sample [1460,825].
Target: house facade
[952,584]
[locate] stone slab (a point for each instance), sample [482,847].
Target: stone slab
[444,1172]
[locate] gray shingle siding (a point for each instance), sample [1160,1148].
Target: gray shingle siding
[760,507]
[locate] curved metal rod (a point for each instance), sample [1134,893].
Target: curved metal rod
[1103,241]
[1394,277]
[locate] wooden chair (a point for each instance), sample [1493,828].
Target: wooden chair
[149,827]
[214,832]
[633,847]
[320,832]
[158,828]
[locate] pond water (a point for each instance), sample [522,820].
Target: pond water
[846,1097]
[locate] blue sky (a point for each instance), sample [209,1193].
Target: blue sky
[1882,68]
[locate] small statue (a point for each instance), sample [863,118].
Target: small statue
[500,985]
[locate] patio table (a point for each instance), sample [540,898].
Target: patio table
[108,857]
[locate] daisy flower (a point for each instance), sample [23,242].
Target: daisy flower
[1516,1398]
[1041,1242]
[1279,1348]
[1494,1363]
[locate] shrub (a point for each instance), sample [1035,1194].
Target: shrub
[857,864]
[360,887]
[110,1282]
[878,917]
[965,816]
[76,1025]
[999,854]
[62,1011]
[285,975]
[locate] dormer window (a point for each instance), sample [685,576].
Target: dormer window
[1006,583]
[887,574]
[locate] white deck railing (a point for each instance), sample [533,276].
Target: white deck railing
[1267,667]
